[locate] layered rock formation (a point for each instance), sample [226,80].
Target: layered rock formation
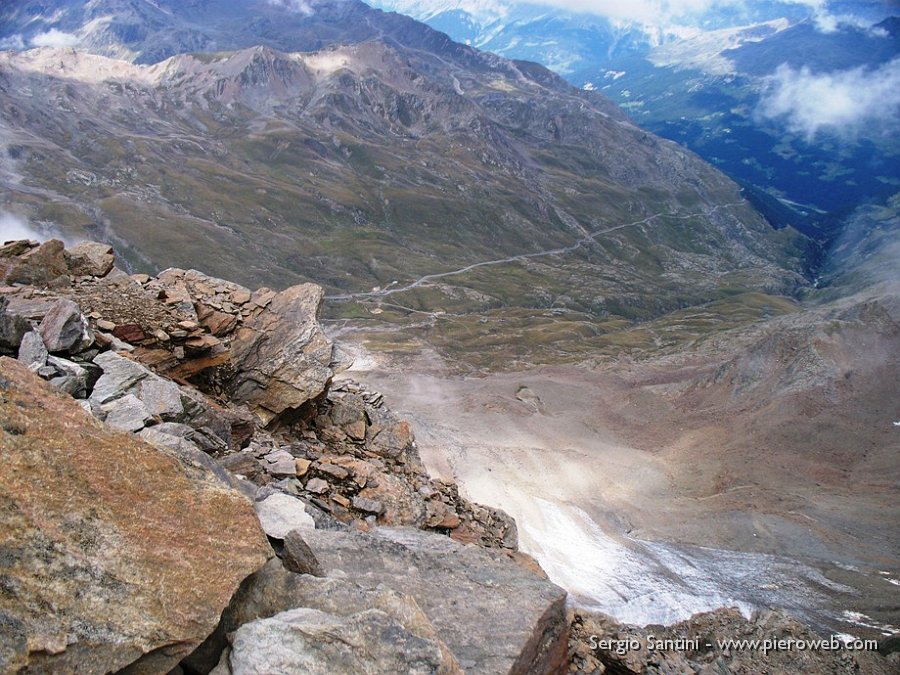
[181,417]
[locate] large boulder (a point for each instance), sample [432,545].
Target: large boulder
[314,642]
[65,329]
[493,614]
[38,265]
[116,555]
[13,327]
[281,356]
[90,258]
[273,590]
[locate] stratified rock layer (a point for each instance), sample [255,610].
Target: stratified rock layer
[494,615]
[282,356]
[113,554]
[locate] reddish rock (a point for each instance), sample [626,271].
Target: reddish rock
[90,258]
[449,522]
[218,323]
[121,554]
[130,332]
[202,343]
[337,472]
[15,248]
[37,266]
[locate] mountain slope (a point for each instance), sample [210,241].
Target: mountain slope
[708,80]
[377,164]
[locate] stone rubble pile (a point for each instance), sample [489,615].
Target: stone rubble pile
[184,359]
[236,388]
[599,644]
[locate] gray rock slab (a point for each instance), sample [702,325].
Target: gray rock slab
[32,351]
[119,375]
[280,513]
[65,329]
[493,614]
[314,642]
[127,413]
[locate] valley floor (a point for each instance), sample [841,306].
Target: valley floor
[642,499]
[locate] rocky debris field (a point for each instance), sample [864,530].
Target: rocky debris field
[186,489]
[706,644]
[164,436]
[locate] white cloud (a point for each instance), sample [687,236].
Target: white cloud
[13,227]
[299,6]
[54,38]
[826,22]
[850,103]
[13,42]
[664,12]
[648,12]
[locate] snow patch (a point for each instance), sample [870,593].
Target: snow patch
[646,582]
[866,621]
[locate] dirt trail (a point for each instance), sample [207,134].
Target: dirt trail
[591,236]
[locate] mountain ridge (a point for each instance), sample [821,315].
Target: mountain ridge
[507,162]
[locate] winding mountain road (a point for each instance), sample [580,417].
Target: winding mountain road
[591,236]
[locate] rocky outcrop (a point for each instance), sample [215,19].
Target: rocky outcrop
[311,641]
[90,258]
[358,462]
[115,554]
[129,395]
[274,590]
[33,263]
[494,615]
[283,355]
[141,510]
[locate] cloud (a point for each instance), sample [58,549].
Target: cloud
[648,12]
[13,42]
[826,22]
[299,6]
[852,103]
[674,16]
[13,227]
[664,12]
[54,38]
